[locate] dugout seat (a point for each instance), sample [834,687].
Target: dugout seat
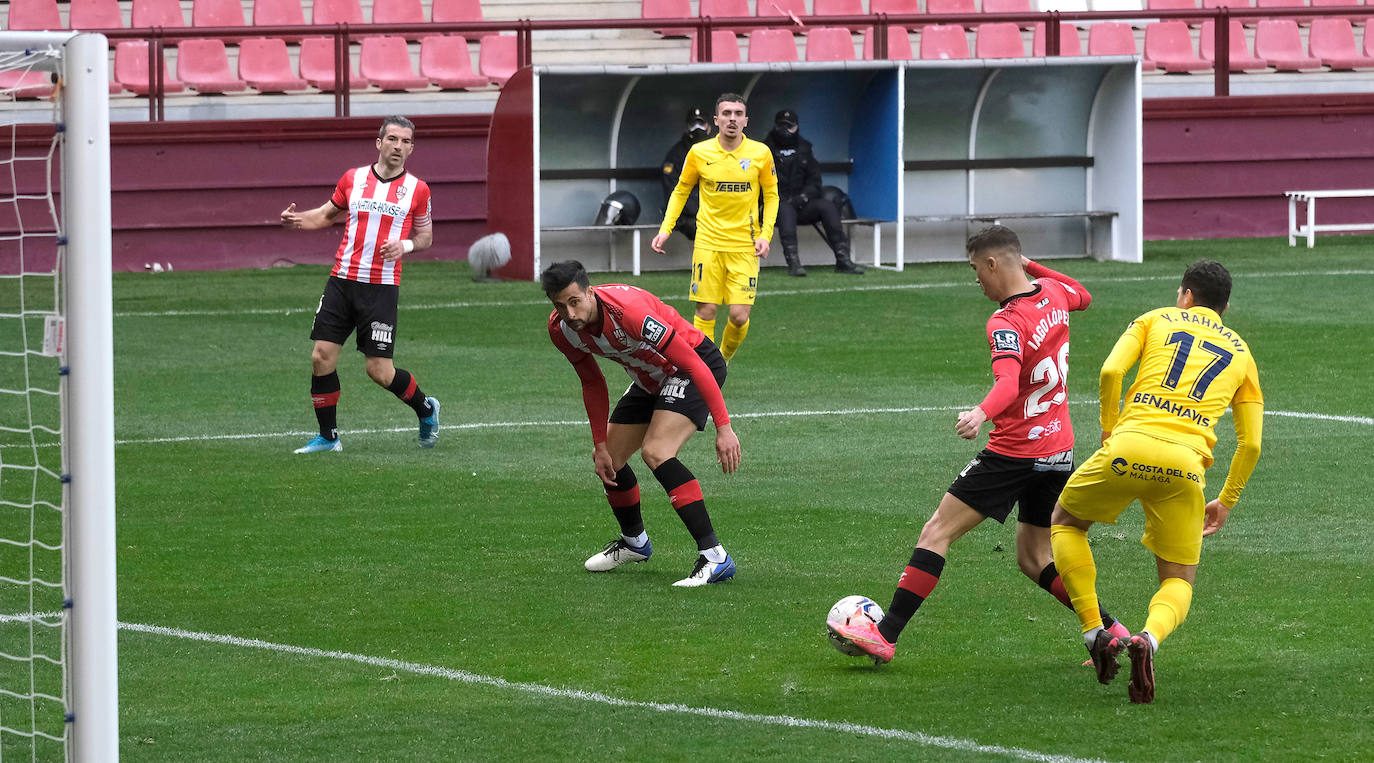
[203,65]
[943,41]
[34,16]
[724,47]
[151,13]
[999,40]
[1170,45]
[131,69]
[266,66]
[385,62]
[1333,41]
[829,43]
[1115,38]
[336,12]
[446,61]
[898,43]
[771,45]
[1279,42]
[498,58]
[94,14]
[666,9]
[1070,44]
[1241,58]
[895,7]
[317,65]
[217,13]
[965,7]
[278,13]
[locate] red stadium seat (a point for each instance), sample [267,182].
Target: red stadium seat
[336,12]
[317,65]
[666,9]
[772,45]
[217,13]
[498,58]
[1114,38]
[1281,4]
[397,12]
[943,41]
[1001,40]
[1170,46]
[1279,42]
[1241,59]
[895,7]
[266,66]
[204,66]
[21,84]
[1333,41]
[898,43]
[34,15]
[836,7]
[1009,6]
[455,11]
[385,62]
[278,13]
[150,13]
[725,8]
[951,6]
[94,14]
[131,69]
[1070,44]
[829,43]
[724,47]
[446,61]
[1336,4]
[792,8]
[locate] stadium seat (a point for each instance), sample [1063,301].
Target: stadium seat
[1280,4]
[94,14]
[1279,42]
[22,84]
[836,7]
[725,8]
[336,12]
[317,65]
[203,65]
[35,16]
[666,9]
[943,41]
[724,47]
[1115,38]
[1001,40]
[898,43]
[151,13]
[1241,59]
[1070,44]
[266,66]
[895,7]
[1335,4]
[1170,46]
[1227,3]
[1369,37]
[217,13]
[397,12]
[446,61]
[385,62]
[1333,41]
[455,11]
[1171,5]
[951,6]
[498,58]
[791,8]
[1009,6]
[829,43]
[772,45]
[131,69]
[278,13]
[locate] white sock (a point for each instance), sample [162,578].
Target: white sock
[714,554]
[1154,642]
[637,541]
[1091,636]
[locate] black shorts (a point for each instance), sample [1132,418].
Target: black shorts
[992,482]
[368,308]
[679,394]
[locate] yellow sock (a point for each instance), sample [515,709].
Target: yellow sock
[732,338]
[1073,557]
[704,326]
[1169,607]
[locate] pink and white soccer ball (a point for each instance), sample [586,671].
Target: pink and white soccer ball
[846,611]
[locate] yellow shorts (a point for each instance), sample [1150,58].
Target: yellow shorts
[1167,478]
[731,278]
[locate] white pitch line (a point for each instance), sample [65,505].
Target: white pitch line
[463,676]
[779,293]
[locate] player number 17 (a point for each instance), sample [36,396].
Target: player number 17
[1184,340]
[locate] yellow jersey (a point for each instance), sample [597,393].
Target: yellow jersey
[728,219]
[1192,367]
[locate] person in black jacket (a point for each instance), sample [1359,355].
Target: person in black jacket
[799,189]
[698,129]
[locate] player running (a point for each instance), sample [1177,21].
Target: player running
[676,373]
[1029,454]
[1157,449]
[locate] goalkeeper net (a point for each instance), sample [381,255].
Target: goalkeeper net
[58,696]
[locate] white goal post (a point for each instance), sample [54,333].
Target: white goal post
[86,390]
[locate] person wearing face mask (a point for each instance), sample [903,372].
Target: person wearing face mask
[799,187]
[697,130]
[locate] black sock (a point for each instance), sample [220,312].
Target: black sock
[324,395]
[405,387]
[1050,581]
[917,581]
[685,493]
[624,500]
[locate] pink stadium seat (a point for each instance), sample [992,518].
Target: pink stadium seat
[278,13]
[34,15]
[1070,44]
[454,11]
[266,66]
[498,57]
[1335,4]
[94,14]
[724,47]
[895,7]
[150,13]
[446,62]
[1369,38]
[1278,42]
[217,13]
[725,8]
[1281,4]
[836,7]
[1241,60]
[829,43]
[397,12]
[336,12]
[131,69]
[898,43]
[1333,41]
[1227,3]
[943,41]
[204,66]
[665,9]
[27,84]
[1114,38]
[1002,40]
[1008,6]
[951,6]
[772,45]
[1170,5]
[317,65]
[385,62]
[1170,46]
[796,8]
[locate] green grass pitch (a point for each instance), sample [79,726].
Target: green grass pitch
[444,614]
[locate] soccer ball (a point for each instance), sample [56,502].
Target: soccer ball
[846,611]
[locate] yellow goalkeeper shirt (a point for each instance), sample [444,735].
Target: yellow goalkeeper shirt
[731,183]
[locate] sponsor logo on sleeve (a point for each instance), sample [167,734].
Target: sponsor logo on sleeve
[653,331]
[1006,340]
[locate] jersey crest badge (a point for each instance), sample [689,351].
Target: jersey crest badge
[744,164]
[400,193]
[653,331]
[1006,340]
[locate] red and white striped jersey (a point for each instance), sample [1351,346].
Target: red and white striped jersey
[378,211]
